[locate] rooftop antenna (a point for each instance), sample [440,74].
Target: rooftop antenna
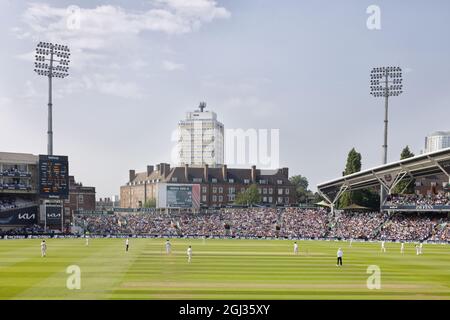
[202,106]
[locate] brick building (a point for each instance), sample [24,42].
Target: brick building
[80,198]
[219,186]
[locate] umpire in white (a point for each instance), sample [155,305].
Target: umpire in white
[340,253]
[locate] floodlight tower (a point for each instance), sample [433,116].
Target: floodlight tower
[52,60]
[385,82]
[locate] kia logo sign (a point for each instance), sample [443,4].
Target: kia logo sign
[54,215]
[26,216]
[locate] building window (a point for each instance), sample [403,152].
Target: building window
[231,190]
[280,191]
[204,189]
[270,199]
[246,181]
[242,190]
[231,197]
[270,190]
[265,191]
[280,199]
[80,198]
[220,190]
[214,198]
[204,198]
[220,198]
[214,180]
[286,200]
[259,190]
[231,180]
[279,181]
[174,179]
[214,189]
[264,199]
[197,180]
[286,191]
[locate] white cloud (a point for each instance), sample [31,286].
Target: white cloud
[172,66]
[101,33]
[96,26]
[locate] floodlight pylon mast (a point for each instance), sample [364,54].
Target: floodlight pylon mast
[385,82]
[46,52]
[386,115]
[50,111]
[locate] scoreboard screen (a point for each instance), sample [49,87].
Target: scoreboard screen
[182,196]
[179,196]
[53,177]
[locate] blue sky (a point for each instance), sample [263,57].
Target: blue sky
[298,66]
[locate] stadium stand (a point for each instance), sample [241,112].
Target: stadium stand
[435,199]
[272,222]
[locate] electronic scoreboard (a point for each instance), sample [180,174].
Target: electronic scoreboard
[53,177]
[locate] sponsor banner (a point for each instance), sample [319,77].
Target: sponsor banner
[53,214]
[20,216]
[142,210]
[93,211]
[417,207]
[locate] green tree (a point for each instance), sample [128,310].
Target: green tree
[370,198]
[301,188]
[249,196]
[353,165]
[405,186]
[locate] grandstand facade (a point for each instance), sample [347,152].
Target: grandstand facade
[430,174]
[218,186]
[21,205]
[18,190]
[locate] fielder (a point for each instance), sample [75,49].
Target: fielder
[87,240]
[189,254]
[383,248]
[295,248]
[168,247]
[127,245]
[340,253]
[43,249]
[402,247]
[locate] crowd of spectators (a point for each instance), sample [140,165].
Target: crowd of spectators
[304,223]
[131,223]
[441,232]
[272,222]
[34,229]
[419,200]
[408,226]
[256,222]
[356,225]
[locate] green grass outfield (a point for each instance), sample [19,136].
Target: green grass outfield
[220,269]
